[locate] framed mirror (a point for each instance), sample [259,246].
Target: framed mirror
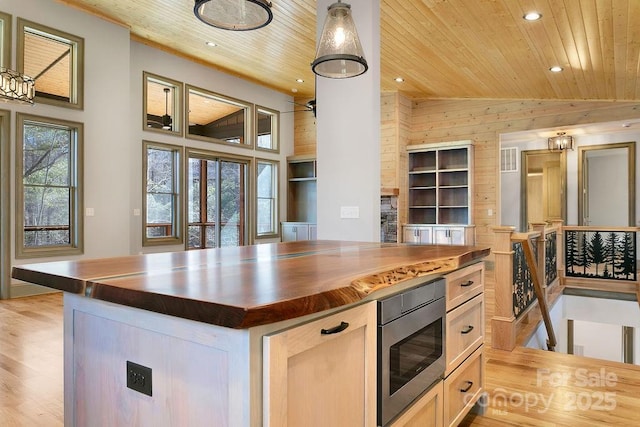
[55,60]
[606,181]
[5,43]
[162,104]
[218,118]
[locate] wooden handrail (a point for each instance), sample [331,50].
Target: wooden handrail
[540,294]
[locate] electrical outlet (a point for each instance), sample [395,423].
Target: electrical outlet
[139,378]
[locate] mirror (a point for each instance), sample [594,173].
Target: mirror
[162,106]
[544,185]
[217,118]
[606,181]
[55,60]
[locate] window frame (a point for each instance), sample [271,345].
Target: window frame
[248,198]
[177,237]
[76,83]
[275,180]
[76,202]
[5,43]
[248,117]
[275,128]
[176,103]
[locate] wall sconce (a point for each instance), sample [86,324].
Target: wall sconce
[16,86]
[339,53]
[235,15]
[560,142]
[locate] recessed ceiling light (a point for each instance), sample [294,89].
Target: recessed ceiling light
[300,80]
[211,44]
[399,79]
[294,90]
[532,16]
[556,69]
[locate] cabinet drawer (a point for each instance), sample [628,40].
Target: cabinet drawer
[425,411]
[463,388]
[464,284]
[464,331]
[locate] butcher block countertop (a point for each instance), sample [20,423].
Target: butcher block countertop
[247,286]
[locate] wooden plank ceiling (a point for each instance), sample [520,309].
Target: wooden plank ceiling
[442,48]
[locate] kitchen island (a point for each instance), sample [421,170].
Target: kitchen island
[192,325]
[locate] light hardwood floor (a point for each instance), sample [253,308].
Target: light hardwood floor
[524,388]
[31,377]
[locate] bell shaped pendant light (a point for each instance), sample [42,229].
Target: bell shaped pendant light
[339,53]
[235,15]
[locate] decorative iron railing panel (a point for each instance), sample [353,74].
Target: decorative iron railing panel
[600,254]
[523,291]
[550,257]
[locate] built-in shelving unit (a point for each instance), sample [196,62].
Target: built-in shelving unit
[439,193]
[301,199]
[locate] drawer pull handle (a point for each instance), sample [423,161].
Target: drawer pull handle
[341,327]
[467,330]
[467,388]
[467,283]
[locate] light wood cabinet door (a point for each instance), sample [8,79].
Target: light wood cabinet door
[426,411]
[322,373]
[463,388]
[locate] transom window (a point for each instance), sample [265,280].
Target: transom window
[218,118]
[54,59]
[48,187]
[267,129]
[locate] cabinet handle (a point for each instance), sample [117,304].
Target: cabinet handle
[468,387]
[467,283]
[341,327]
[466,331]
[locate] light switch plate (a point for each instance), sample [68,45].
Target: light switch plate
[349,212]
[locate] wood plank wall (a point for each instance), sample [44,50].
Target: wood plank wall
[482,121]
[406,122]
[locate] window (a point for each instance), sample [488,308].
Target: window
[216,201]
[5,42]
[48,187]
[267,129]
[267,195]
[55,60]
[217,118]
[162,104]
[161,201]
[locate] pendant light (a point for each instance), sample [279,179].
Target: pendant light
[339,53]
[166,118]
[560,142]
[235,15]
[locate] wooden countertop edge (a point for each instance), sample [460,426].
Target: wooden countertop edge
[61,283]
[246,317]
[238,317]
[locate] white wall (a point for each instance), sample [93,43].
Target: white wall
[145,58]
[112,119]
[510,181]
[348,137]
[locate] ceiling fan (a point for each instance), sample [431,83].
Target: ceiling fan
[309,106]
[165,122]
